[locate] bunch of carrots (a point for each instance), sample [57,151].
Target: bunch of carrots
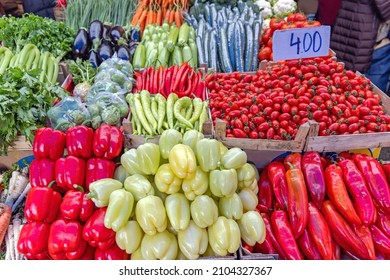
[156,11]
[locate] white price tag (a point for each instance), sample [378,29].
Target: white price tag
[301,42]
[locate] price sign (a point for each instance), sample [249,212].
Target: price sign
[301,42]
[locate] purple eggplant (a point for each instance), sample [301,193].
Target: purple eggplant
[95,31]
[106,32]
[134,35]
[105,50]
[117,35]
[81,44]
[132,46]
[94,59]
[123,52]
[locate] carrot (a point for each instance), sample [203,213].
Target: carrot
[137,16]
[171,16]
[5,218]
[178,19]
[142,20]
[149,18]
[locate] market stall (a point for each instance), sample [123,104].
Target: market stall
[185,130]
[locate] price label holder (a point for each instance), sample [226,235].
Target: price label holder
[301,42]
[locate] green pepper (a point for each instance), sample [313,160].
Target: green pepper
[139,58]
[172,98]
[181,103]
[197,185]
[203,116]
[168,139]
[249,199]
[198,107]
[224,236]
[223,182]
[151,215]
[119,209]
[252,228]
[146,102]
[208,154]
[161,246]
[129,237]
[191,138]
[162,105]
[246,175]
[231,207]
[166,181]
[136,123]
[100,191]
[178,211]
[193,241]
[148,156]
[130,163]
[234,158]
[204,211]
[182,161]
[139,186]
[141,114]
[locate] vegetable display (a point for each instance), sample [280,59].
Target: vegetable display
[276,9]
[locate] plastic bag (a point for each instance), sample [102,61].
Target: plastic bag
[115,76]
[119,64]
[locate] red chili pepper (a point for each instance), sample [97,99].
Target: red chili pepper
[111,253]
[79,141]
[277,176]
[98,168]
[108,141]
[358,189]
[42,172]
[376,180]
[70,171]
[168,81]
[145,79]
[381,240]
[363,232]
[159,79]
[342,232]
[308,247]
[336,251]
[69,84]
[284,234]
[32,241]
[66,240]
[295,159]
[151,81]
[77,206]
[181,77]
[265,193]
[314,176]
[320,232]
[95,233]
[48,143]
[269,233]
[386,169]
[338,194]
[42,205]
[383,222]
[138,83]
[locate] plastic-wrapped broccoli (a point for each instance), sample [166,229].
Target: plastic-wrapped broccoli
[116,63]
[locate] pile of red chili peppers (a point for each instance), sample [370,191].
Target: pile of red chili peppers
[318,209]
[62,223]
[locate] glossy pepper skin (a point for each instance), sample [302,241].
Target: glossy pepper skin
[358,189]
[197,185]
[231,207]
[383,222]
[338,194]
[364,233]
[42,172]
[160,246]
[234,158]
[252,228]
[129,237]
[381,240]
[42,205]
[70,171]
[148,156]
[139,186]
[297,200]
[98,168]
[308,247]
[66,240]
[111,253]
[193,241]
[191,138]
[77,206]
[208,154]
[277,177]
[79,141]
[168,139]
[32,241]
[224,236]
[151,215]
[107,142]
[166,180]
[119,209]
[182,160]
[295,159]
[177,207]
[284,235]
[265,194]
[223,182]
[314,176]
[342,232]
[48,143]
[246,175]
[204,211]
[376,180]
[386,170]
[95,233]
[129,161]
[100,190]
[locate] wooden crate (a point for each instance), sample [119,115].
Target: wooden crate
[244,254]
[338,143]
[21,148]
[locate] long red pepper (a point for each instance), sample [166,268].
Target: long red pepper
[336,251]
[308,247]
[277,176]
[383,222]
[269,233]
[386,169]
[265,193]
[295,159]
[297,200]
[381,240]
[342,232]
[358,189]
[284,234]
[365,235]
[314,176]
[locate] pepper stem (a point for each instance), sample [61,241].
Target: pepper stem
[92,194]
[79,188]
[51,184]
[290,165]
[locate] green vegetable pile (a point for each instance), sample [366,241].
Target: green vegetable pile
[24,101]
[45,33]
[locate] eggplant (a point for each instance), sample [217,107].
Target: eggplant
[106,32]
[123,53]
[95,32]
[105,51]
[132,47]
[117,34]
[134,35]
[94,59]
[81,44]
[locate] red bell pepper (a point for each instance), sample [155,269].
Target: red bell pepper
[270,234]
[265,193]
[95,233]
[111,253]
[48,143]
[381,240]
[295,159]
[108,141]
[297,200]
[70,171]
[376,180]
[358,189]
[365,235]
[383,222]
[79,140]
[308,247]
[89,253]
[277,177]
[32,241]
[338,194]
[42,172]
[284,234]
[66,240]
[314,176]
[77,206]
[98,168]
[320,232]
[42,205]
[342,232]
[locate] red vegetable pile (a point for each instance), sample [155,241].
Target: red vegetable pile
[274,103]
[317,209]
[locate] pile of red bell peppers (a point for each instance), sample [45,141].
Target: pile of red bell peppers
[62,223]
[317,208]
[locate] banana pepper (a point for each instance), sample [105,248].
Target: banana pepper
[130,163]
[252,228]
[148,156]
[177,207]
[246,175]
[197,185]
[119,209]
[231,207]
[161,246]
[150,214]
[223,182]
[249,199]
[166,181]
[183,161]
[168,139]
[224,236]
[204,211]
[208,154]
[139,186]
[234,158]
[129,237]
[191,138]
[100,191]
[193,241]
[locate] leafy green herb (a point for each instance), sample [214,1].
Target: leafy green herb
[82,71]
